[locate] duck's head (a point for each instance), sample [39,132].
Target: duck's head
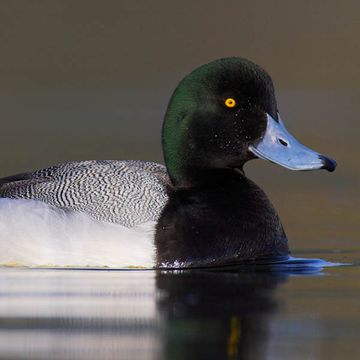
[223,114]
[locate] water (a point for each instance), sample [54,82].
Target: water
[233,314]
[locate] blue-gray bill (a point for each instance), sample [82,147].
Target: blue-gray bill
[280,147]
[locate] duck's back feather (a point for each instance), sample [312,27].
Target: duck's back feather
[124,192]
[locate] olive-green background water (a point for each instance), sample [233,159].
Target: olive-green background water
[91,80]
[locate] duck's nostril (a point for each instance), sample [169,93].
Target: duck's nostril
[283,142]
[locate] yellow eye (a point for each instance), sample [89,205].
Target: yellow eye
[230,102]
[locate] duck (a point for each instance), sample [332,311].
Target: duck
[202,209]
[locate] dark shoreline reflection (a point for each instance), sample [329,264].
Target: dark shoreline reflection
[217,315]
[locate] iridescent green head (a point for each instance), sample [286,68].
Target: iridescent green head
[219,117]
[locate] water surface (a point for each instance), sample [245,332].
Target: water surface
[202,314]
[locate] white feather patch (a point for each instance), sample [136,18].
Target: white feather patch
[34,234]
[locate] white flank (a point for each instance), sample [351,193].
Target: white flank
[35,234]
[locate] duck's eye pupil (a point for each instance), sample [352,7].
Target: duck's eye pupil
[230,102]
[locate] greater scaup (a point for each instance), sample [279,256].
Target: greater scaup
[205,211]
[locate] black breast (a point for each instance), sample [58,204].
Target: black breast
[222,220]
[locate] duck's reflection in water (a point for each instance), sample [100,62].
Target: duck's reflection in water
[217,315]
[197,314]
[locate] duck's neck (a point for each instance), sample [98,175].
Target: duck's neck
[202,177]
[222,217]
[184,170]
[190,166]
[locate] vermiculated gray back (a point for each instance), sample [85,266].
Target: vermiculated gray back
[124,192]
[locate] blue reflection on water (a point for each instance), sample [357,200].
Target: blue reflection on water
[286,265]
